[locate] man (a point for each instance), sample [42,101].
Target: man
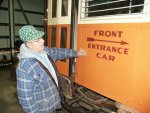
[37,78]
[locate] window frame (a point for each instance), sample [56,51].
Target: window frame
[59,19]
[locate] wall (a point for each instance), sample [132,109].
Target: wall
[34,9]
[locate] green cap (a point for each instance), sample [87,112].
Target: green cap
[29,33]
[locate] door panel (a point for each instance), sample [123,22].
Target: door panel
[59,36]
[59,18]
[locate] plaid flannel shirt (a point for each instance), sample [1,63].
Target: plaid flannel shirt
[37,93]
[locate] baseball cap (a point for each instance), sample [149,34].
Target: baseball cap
[29,33]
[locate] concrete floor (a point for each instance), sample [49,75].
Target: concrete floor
[8,99]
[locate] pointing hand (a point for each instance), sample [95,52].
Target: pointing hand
[81,52]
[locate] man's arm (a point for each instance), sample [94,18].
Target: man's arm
[63,53]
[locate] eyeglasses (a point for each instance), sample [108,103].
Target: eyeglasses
[37,40]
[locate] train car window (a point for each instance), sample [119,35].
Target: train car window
[93,8]
[53,37]
[63,37]
[64,8]
[63,41]
[54,8]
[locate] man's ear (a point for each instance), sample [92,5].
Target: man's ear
[29,45]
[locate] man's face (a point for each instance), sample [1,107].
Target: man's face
[37,45]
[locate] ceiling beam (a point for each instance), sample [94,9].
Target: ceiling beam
[24,14]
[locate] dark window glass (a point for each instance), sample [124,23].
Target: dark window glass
[63,41]
[64,8]
[137,8]
[63,37]
[53,37]
[54,8]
